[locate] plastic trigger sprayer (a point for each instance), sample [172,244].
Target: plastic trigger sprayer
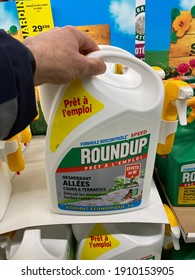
[177,93]
[172,230]
[13,154]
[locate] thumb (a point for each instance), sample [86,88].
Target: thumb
[96,66]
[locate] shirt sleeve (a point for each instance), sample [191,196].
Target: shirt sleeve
[17,94]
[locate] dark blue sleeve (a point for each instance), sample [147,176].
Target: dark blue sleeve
[16,83]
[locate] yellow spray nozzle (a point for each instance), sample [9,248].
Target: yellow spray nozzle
[177,94]
[15,158]
[174,230]
[171,217]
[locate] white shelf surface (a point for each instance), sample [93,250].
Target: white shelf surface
[29,206]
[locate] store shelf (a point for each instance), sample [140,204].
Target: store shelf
[185,216]
[28,205]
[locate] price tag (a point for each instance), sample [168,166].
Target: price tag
[35,16]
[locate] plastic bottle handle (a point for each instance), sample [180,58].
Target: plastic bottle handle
[113,48]
[136,68]
[32,244]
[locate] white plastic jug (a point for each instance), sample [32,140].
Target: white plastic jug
[51,242]
[102,137]
[121,241]
[47,92]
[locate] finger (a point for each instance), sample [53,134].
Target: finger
[94,66]
[86,43]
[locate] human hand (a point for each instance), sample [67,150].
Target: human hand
[60,55]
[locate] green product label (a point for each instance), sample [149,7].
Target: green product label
[186,193]
[103,174]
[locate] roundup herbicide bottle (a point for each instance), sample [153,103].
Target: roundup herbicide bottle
[125,241]
[102,137]
[177,170]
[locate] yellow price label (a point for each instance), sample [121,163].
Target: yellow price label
[35,16]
